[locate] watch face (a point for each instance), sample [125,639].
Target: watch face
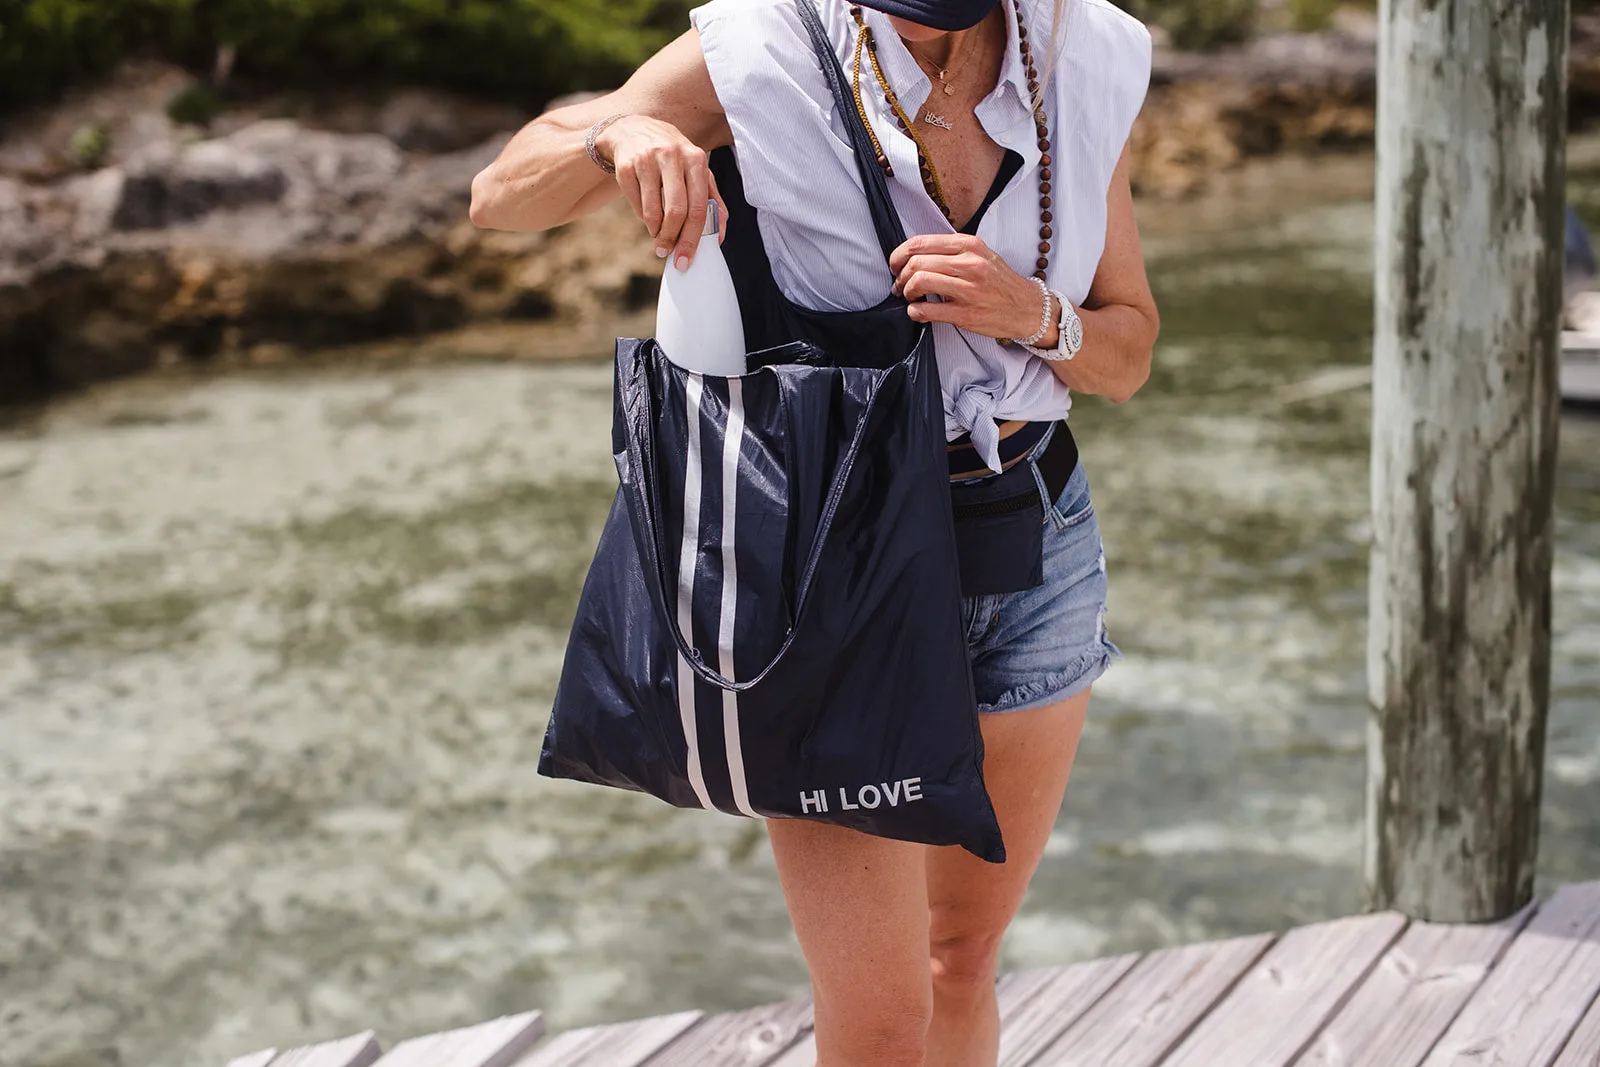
[1073,332]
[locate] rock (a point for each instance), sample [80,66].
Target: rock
[95,200]
[418,121]
[1279,92]
[130,108]
[277,236]
[435,123]
[354,164]
[16,221]
[193,183]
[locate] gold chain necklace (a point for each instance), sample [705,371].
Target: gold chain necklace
[943,72]
[930,176]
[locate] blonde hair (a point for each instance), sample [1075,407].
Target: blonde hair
[1058,42]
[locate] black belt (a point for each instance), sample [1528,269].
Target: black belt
[965,460]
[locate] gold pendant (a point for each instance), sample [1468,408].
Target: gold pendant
[933,118]
[949,90]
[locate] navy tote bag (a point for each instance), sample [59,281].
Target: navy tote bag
[772,624]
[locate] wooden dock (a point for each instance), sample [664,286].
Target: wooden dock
[1369,991]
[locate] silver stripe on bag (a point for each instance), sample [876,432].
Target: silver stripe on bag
[693,387]
[732,443]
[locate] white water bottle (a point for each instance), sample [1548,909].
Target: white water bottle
[697,321]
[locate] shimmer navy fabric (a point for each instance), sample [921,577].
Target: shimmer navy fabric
[772,625]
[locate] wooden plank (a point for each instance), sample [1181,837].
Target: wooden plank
[1528,1008]
[739,1039]
[1584,1048]
[1155,1006]
[619,1045]
[1062,996]
[492,1044]
[1020,1004]
[1017,988]
[1282,1002]
[1414,994]
[803,1053]
[255,1059]
[360,1050]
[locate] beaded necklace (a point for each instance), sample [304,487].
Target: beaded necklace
[930,176]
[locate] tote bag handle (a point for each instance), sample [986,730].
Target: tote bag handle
[885,219]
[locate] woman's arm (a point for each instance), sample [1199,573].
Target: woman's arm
[1120,320]
[981,293]
[545,178]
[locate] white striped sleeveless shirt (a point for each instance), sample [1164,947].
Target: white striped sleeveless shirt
[800,175]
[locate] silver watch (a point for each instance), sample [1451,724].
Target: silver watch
[1070,342]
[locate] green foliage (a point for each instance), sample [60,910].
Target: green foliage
[1199,24]
[196,106]
[521,50]
[1309,16]
[89,146]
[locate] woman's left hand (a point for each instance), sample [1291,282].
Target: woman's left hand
[979,292]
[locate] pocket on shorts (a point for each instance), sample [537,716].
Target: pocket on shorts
[1074,506]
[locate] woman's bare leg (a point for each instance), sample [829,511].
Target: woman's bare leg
[903,940]
[1027,758]
[860,910]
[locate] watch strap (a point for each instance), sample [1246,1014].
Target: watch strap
[1063,351]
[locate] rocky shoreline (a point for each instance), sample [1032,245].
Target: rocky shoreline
[270,236]
[263,236]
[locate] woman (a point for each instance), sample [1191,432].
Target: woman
[966,100]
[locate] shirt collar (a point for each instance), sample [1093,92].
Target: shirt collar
[1005,113]
[1014,73]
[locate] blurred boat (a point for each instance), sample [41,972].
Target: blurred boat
[1580,341]
[1580,367]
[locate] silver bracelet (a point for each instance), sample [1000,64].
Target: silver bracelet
[594,152]
[1044,319]
[1070,341]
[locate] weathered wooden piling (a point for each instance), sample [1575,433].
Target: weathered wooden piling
[1471,161]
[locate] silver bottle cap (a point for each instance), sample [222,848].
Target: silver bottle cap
[711,218]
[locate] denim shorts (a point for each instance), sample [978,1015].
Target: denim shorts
[1046,644]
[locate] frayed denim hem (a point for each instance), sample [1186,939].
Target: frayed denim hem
[1059,687]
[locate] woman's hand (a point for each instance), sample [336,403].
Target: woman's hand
[979,292]
[667,179]
[544,177]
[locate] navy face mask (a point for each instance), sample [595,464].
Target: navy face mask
[938,14]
